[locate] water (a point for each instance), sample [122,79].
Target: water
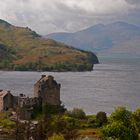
[108,86]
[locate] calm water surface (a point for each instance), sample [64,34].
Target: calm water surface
[108,86]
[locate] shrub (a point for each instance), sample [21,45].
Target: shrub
[65,126]
[121,114]
[48,110]
[92,122]
[76,113]
[136,119]
[56,137]
[121,125]
[118,130]
[101,118]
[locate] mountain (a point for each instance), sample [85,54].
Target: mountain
[23,49]
[117,39]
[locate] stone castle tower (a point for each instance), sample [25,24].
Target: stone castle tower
[48,90]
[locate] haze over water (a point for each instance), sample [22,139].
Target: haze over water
[111,84]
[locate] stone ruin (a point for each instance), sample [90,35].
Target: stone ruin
[46,91]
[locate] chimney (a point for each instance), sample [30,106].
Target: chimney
[21,95]
[42,76]
[1,90]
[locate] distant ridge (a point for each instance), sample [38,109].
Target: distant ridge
[117,38]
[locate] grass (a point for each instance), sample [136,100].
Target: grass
[90,132]
[6,125]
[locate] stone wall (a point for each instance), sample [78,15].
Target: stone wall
[28,106]
[48,89]
[1,104]
[6,100]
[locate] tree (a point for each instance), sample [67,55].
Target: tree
[136,119]
[101,118]
[49,110]
[120,125]
[118,130]
[121,114]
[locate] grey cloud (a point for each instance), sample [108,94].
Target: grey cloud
[47,16]
[133,1]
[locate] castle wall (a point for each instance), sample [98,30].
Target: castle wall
[37,89]
[28,106]
[26,113]
[48,89]
[1,104]
[6,101]
[52,96]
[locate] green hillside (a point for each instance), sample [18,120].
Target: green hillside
[23,49]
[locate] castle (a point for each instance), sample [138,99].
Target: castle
[46,91]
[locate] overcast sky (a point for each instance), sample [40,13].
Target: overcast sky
[47,16]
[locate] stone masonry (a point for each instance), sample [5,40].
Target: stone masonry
[46,91]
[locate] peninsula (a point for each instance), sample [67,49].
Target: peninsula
[24,50]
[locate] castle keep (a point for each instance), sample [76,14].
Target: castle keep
[46,91]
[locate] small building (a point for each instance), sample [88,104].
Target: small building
[48,90]
[6,100]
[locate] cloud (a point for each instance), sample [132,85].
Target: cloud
[46,16]
[133,1]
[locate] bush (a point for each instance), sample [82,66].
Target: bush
[65,126]
[120,131]
[121,125]
[49,110]
[122,115]
[76,113]
[101,118]
[56,137]
[136,119]
[92,122]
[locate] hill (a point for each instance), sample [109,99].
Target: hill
[118,39]
[23,49]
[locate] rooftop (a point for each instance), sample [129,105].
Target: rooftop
[45,78]
[3,93]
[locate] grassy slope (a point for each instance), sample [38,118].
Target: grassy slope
[24,46]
